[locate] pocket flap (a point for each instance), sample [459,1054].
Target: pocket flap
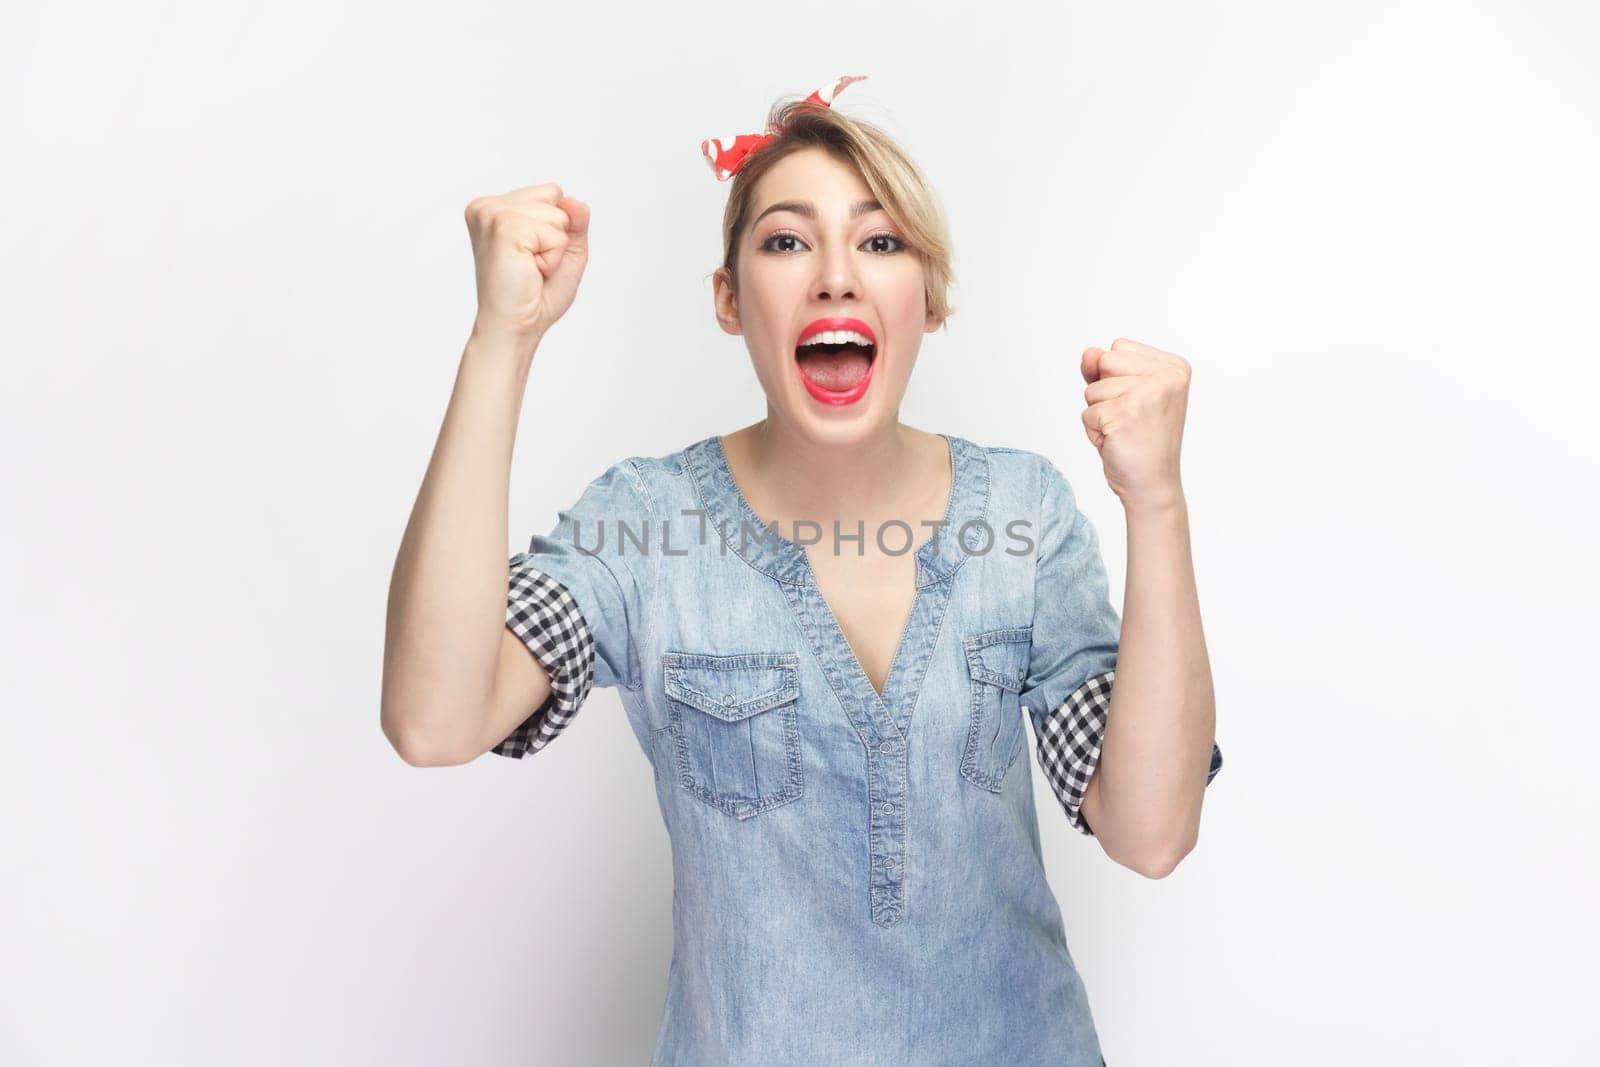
[1000,657]
[733,687]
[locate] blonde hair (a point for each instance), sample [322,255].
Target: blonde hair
[896,182]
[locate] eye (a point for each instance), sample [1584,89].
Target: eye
[900,243]
[781,235]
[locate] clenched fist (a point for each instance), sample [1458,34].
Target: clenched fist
[530,247]
[1137,396]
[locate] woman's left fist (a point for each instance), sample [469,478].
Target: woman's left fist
[1137,397]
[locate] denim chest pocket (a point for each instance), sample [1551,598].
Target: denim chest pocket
[735,725]
[997,663]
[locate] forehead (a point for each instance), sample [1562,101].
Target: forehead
[810,174]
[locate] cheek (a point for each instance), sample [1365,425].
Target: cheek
[770,295]
[768,307]
[907,311]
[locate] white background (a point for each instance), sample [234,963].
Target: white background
[238,282]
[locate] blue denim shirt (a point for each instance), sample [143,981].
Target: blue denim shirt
[856,878]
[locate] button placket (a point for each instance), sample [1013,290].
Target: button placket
[887,860]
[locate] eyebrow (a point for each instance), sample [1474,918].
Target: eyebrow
[807,209]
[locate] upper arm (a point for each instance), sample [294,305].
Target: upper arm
[1076,637]
[521,687]
[575,604]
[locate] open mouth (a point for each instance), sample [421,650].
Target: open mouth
[835,356]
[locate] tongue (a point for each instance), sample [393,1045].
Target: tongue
[836,372]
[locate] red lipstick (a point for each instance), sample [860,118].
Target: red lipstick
[824,325]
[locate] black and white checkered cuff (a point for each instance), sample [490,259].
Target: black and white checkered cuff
[1069,748]
[1069,743]
[542,612]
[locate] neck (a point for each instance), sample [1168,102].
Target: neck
[793,476]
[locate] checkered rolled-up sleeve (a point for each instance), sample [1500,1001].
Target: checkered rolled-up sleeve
[544,615]
[577,599]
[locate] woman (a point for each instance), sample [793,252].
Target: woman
[825,628]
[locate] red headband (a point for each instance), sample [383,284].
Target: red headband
[727,154]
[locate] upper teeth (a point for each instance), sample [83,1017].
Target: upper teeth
[838,337]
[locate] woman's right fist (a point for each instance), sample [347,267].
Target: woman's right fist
[530,247]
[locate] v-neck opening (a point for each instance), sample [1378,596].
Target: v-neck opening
[796,552]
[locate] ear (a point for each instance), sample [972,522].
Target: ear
[931,323]
[726,304]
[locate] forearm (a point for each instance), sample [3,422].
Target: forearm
[1162,720]
[447,595]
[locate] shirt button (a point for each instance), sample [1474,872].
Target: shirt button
[888,809]
[728,700]
[889,748]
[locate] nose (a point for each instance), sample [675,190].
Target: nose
[837,278]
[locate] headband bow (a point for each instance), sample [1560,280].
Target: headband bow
[727,154]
